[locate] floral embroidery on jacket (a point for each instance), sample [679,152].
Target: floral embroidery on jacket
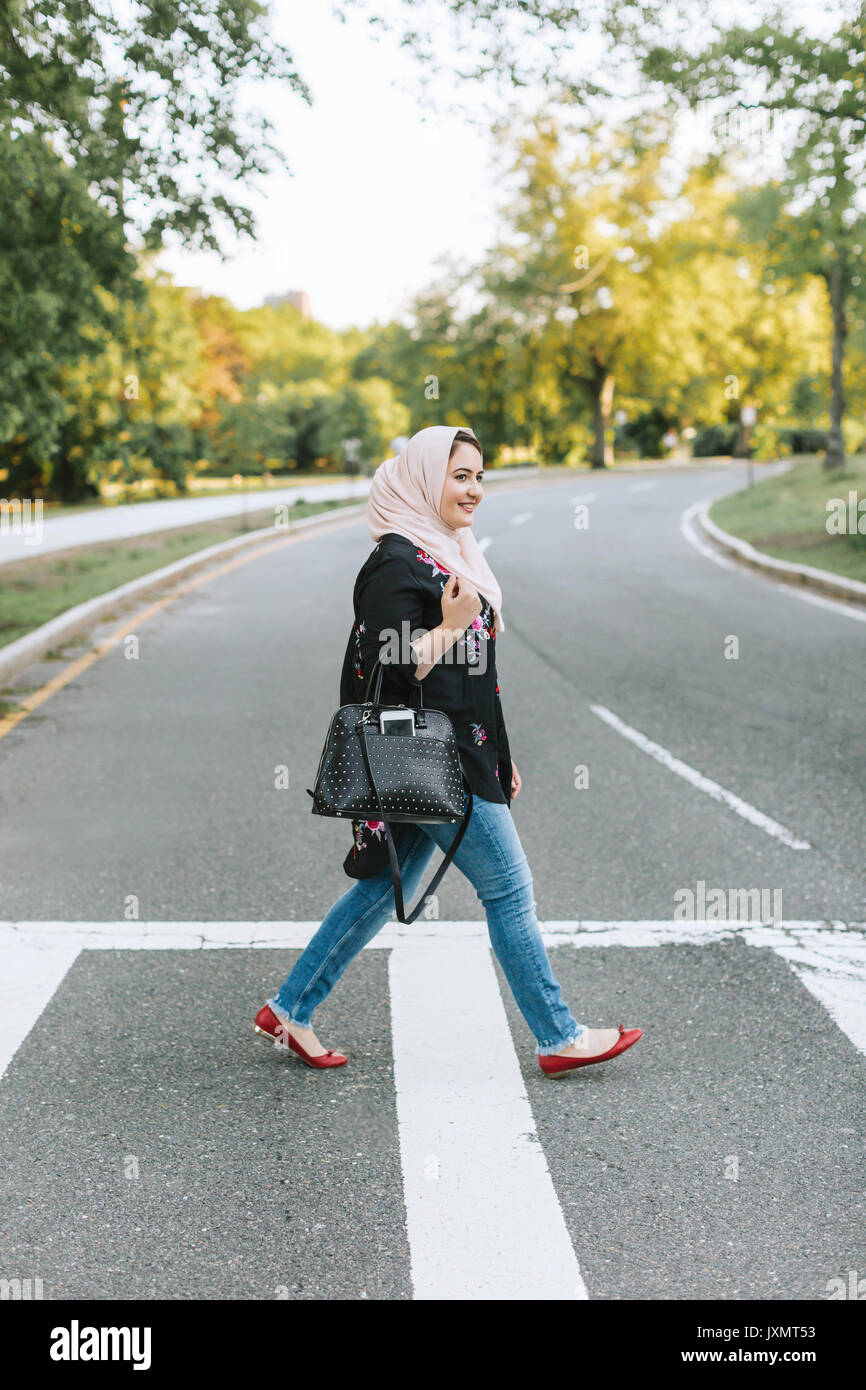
[479,733]
[374,829]
[428,560]
[358,629]
[480,629]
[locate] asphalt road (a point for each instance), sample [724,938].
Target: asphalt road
[151,782]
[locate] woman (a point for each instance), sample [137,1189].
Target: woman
[427,572]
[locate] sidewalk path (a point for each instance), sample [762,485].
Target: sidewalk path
[140,518]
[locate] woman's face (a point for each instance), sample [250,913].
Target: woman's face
[463,489]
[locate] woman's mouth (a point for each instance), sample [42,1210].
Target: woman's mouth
[467,506]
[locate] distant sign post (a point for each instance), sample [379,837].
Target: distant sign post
[748,416]
[240,481]
[350,453]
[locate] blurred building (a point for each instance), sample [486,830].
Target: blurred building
[299,298]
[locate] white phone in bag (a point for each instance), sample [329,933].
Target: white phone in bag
[396,721]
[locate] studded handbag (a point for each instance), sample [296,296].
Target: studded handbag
[366,775]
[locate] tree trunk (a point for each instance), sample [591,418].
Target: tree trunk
[742,444]
[835,456]
[601,454]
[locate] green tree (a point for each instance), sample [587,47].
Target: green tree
[729,336]
[116,123]
[280,346]
[809,220]
[584,267]
[61,258]
[147,99]
[364,411]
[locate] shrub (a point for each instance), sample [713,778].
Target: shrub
[803,440]
[642,437]
[713,440]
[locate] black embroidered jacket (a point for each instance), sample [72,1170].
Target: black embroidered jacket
[398,595]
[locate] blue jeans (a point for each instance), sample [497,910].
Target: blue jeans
[492,858]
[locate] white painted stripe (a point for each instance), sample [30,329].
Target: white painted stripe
[484,1220]
[643,486]
[29,979]
[184,936]
[829,957]
[697,779]
[521,518]
[841,587]
[484,543]
[690,532]
[695,539]
[583,497]
[833,969]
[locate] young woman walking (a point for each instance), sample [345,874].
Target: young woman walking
[427,572]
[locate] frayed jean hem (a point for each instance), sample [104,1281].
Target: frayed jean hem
[285,1017]
[545,1049]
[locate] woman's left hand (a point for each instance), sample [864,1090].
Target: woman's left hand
[516,781]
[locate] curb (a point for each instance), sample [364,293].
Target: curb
[822,581]
[22,653]
[18,655]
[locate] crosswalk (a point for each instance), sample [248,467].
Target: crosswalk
[485,1217]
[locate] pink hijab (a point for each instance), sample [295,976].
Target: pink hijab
[405,495]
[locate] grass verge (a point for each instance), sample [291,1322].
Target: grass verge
[35,590]
[787,516]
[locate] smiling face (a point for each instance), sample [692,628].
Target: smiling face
[463,488]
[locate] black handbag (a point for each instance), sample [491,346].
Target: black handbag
[364,774]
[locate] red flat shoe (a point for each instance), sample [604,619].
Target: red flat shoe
[554,1064]
[267,1025]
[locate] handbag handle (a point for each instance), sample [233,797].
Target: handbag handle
[396,878]
[378,692]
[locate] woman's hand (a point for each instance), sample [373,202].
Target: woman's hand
[516,780]
[460,604]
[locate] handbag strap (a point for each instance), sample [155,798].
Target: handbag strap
[381,668]
[396,877]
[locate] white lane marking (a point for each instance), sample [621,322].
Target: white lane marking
[521,518]
[30,976]
[834,971]
[484,543]
[643,486]
[26,937]
[691,534]
[583,497]
[697,779]
[829,958]
[484,1220]
[35,956]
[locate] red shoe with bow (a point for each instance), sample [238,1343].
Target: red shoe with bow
[554,1064]
[267,1025]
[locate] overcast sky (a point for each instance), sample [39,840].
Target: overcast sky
[375,194]
[379,188]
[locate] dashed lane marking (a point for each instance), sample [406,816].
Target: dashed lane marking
[699,780]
